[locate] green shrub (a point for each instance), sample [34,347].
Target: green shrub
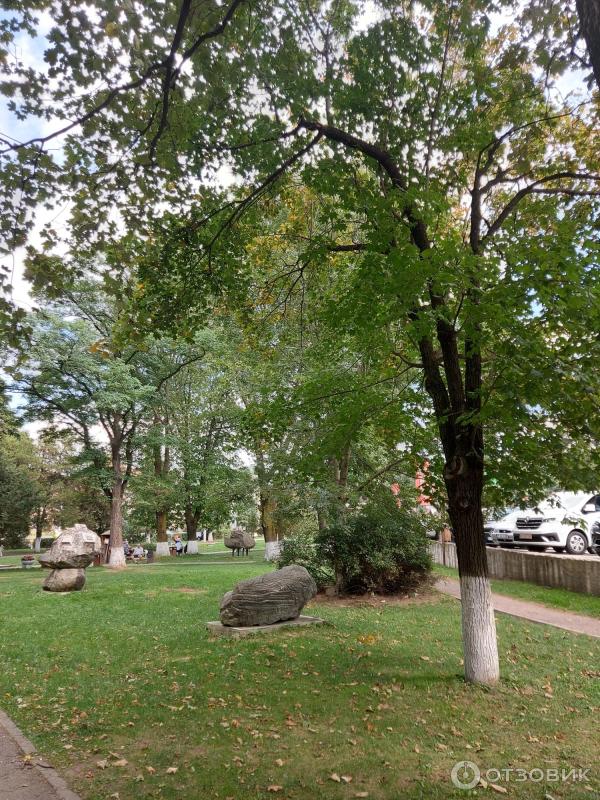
[299,548]
[378,548]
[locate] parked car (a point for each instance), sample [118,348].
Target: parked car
[564,522]
[500,532]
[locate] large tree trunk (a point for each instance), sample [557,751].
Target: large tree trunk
[161,469]
[40,518]
[267,508]
[162,543]
[462,441]
[191,522]
[589,18]
[268,524]
[117,554]
[478,622]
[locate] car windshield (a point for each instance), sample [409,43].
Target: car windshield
[564,500]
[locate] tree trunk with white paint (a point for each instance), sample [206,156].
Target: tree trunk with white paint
[116,556]
[478,622]
[162,540]
[273,549]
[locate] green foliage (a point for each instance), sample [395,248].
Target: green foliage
[299,547]
[378,548]
[19,491]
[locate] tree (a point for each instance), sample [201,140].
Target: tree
[19,491]
[209,478]
[77,373]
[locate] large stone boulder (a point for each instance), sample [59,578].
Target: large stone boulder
[239,540]
[65,580]
[273,597]
[75,548]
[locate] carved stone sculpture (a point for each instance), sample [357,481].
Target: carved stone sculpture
[239,542]
[71,553]
[65,580]
[273,597]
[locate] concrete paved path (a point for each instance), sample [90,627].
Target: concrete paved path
[536,612]
[23,774]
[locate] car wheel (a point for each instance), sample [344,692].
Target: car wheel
[577,543]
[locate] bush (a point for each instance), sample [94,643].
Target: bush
[299,548]
[379,548]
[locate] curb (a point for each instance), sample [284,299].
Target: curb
[48,773]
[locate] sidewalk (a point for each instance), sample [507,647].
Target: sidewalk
[576,623]
[23,774]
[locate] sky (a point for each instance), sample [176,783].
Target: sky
[31,51]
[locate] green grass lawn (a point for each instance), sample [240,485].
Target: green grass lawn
[120,685]
[547,595]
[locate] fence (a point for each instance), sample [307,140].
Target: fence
[576,573]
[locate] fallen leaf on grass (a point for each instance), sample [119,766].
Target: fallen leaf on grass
[151,770]
[335,777]
[361,794]
[103,764]
[172,770]
[499,789]
[274,788]
[279,762]
[121,762]
[347,778]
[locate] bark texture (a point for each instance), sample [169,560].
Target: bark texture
[589,19]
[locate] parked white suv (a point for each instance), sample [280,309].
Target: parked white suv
[564,521]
